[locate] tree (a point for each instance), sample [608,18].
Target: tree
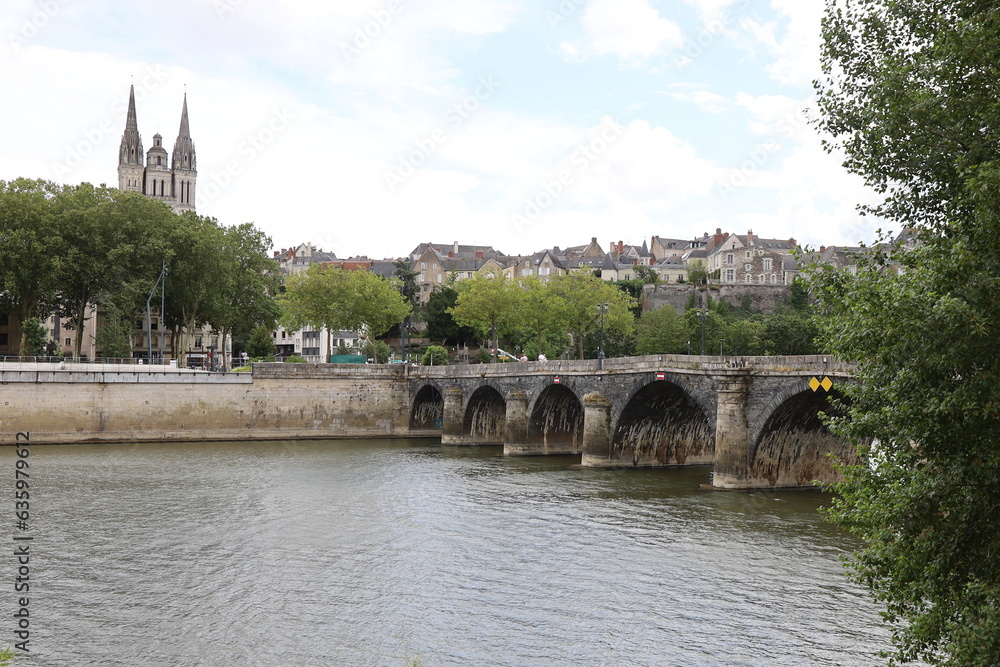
[580,296]
[646,275]
[435,355]
[260,343]
[697,273]
[30,250]
[540,311]
[489,305]
[249,285]
[909,95]
[114,244]
[342,300]
[662,331]
[441,325]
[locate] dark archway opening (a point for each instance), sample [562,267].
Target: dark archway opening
[485,417]
[428,409]
[662,425]
[794,446]
[556,421]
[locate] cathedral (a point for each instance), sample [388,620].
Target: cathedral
[173,183]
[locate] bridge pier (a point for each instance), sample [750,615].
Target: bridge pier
[451,424]
[515,438]
[732,437]
[596,431]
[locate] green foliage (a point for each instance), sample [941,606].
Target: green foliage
[342,300]
[114,333]
[662,331]
[434,355]
[6,657]
[440,323]
[260,343]
[646,275]
[378,351]
[579,296]
[909,94]
[488,305]
[295,359]
[697,273]
[33,338]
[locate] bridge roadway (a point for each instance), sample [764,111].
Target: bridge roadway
[755,419]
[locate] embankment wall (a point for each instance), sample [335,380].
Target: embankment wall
[277,401]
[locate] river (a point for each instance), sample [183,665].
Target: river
[404,553]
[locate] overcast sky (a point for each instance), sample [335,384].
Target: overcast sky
[368,127]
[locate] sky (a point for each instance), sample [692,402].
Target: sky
[367,127]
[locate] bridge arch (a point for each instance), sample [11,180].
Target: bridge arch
[556,421]
[792,445]
[427,410]
[485,417]
[662,424]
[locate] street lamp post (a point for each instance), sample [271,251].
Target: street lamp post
[721,342]
[702,314]
[149,326]
[603,307]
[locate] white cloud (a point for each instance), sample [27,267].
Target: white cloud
[631,30]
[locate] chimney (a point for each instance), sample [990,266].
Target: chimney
[718,238]
[822,249]
[479,254]
[621,247]
[451,254]
[749,237]
[792,242]
[612,247]
[454,249]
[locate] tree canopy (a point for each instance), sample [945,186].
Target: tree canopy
[342,300]
[909,93]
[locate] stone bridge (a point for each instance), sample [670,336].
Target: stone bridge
[755,419]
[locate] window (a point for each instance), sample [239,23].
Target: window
[748,254]
[439,277]
[310,351]
[768,263]
[420,277]
[762,279]
[69,341]
[543,271]
[434,266]
[774,278]
[729,258]
[748,267]
[3,339]
[527,272]
[3,320]
[748,279]
[730,275]
[423,266]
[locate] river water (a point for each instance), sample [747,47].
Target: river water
[405,553]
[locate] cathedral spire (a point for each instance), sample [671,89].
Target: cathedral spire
[130,151]
[184,155]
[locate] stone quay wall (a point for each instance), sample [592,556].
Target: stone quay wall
[276,401]
[765,298]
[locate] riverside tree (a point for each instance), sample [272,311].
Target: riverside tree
[488,304]
[342,300]
[909,93]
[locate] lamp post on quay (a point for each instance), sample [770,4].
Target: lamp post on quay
[603,307]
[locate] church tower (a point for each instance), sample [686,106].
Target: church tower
[130,168]
[184,165]
[166,178]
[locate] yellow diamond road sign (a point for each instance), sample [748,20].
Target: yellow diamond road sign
[815,384]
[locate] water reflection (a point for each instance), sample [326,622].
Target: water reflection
[378,552]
